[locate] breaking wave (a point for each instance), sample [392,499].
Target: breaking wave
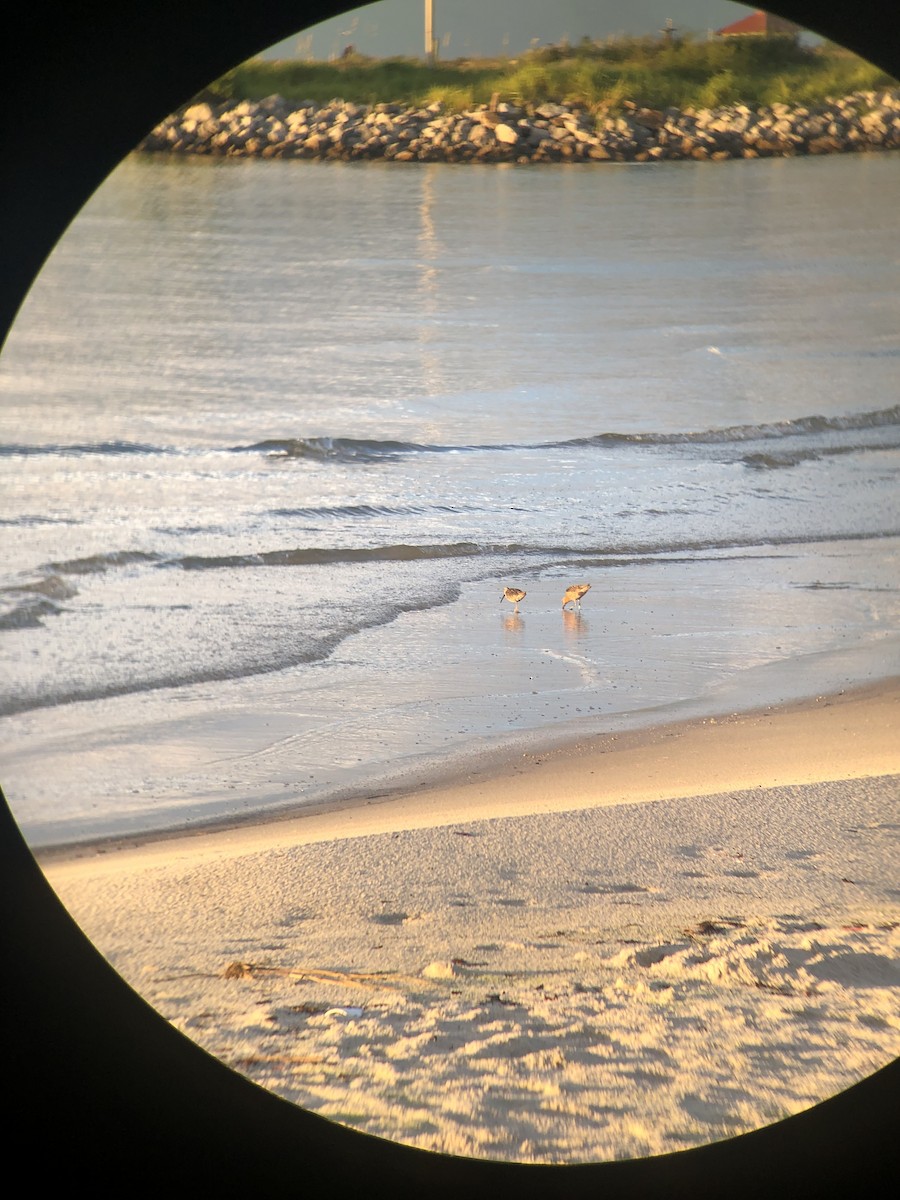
[373,450]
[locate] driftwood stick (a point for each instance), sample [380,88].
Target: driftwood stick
[252,1060]
[239,970]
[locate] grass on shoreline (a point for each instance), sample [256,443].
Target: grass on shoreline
[647,71]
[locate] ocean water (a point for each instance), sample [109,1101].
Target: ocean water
[275,435]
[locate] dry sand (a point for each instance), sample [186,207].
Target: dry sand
[617,949]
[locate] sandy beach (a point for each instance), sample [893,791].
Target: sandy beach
[619,948]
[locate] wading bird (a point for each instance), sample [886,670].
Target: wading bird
[513,595]
[574,593]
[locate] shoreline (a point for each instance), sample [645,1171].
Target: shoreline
[566,774]
[540,980]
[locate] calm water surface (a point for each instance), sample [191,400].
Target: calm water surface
[274,435]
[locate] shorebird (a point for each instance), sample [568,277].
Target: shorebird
[513,595]
[574,593]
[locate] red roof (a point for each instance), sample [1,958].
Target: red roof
[760,22]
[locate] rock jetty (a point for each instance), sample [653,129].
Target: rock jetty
[502,132]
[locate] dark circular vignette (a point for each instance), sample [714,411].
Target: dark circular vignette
[97,1078]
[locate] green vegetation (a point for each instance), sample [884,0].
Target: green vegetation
[647,71]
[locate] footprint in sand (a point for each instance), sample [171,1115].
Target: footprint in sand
[612,889]
[400,918]
[389,918]
[804,859]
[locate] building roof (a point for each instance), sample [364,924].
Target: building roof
[760,22]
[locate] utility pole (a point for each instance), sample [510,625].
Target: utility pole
[430,43]
[669,31]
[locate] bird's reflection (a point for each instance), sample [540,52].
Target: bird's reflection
[513,623]
[574,624]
